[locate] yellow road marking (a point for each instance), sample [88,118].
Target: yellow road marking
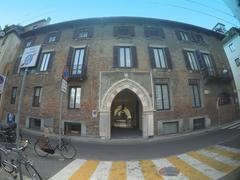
[235,156]
[149,170]
[186,169]
[211,162]
[118,171]
[85,171]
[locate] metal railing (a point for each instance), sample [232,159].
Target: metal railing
[218,74]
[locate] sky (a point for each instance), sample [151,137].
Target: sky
[203,13]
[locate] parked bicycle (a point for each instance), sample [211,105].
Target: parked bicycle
[13,165]
[43,148]
[8,134]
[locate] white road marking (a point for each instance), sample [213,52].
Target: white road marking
[230,149]
[235,126]
[134,171]
[161,163]
[205,169]
[230,125]
[69,170]
[102,170]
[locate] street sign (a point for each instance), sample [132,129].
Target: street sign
[2,82]
[65,74]
[64,86]
[29,57]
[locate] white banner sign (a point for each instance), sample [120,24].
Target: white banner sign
[64,86]
[2,82]
[29,57]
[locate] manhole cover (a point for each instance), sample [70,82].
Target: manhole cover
[169,171]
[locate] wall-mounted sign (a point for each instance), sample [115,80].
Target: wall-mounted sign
[2,82]
[29,57]
[64,86]
[94,113]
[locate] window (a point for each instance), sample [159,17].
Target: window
[74,97]
[224,99]
[162,97]
[125,56]
[37,96]
[195,93]
[182,36]
[191,60]
[154,32]
[232,47]
[170,127]
[82,33]
[46,61]
[209,63]
[199,38]
[198,123]
[35,123]
[77,64]
[123,31]
[237,61]
[72,128]
[13,95]
[160,58]
[52,37]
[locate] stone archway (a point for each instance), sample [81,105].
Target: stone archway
[106,102]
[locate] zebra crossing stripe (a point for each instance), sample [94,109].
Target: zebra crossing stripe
[230,125]
[235,126]
[220,158]
[203,168]
[187,169]
[102,171]
[222,152]
[118,171]
[211,162]
[69,170]
[85,171]
[134,170]
[161,163]
[231,149]
[149,170]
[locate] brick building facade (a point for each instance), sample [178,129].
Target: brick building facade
[150,75]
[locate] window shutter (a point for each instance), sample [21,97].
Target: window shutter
[84,68]
[193,37]
[186,60]
[213,63]
[16,65]
[39,61]
[58,35]
[70,57]
[147,32]
[178,35]
[131,29]
[90,32]
[168,58]
[200,60]
[151,57]
[76,33]
[134,56]
[46,39]
[115,56]
[161,33]
[115,31]
[51,61]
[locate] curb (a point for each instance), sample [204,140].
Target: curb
[235,174]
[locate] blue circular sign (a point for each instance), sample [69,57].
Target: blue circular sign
[1,79]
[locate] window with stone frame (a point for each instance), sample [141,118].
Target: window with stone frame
[46,60]
[162,96]
[209,63]
[83,33]
[123,31]
[160,57]
[194,86]
[183,36]
[74,97]
[52,37]
[224,99]
[37,96]
[155,32]
[13,95]
[124,57]
[191,60]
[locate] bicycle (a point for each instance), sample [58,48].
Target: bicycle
[14,165]
[43,148]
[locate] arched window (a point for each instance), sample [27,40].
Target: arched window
[224,99]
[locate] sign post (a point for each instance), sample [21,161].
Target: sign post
[63,90]
[29,59]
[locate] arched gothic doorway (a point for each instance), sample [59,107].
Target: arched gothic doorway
[143,97]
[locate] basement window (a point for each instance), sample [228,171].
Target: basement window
[35,124]
[198,124]
[72,128]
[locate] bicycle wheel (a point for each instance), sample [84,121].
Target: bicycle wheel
[31,172]
[39,151]
[68,151]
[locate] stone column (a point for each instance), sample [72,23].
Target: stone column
[148,126]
